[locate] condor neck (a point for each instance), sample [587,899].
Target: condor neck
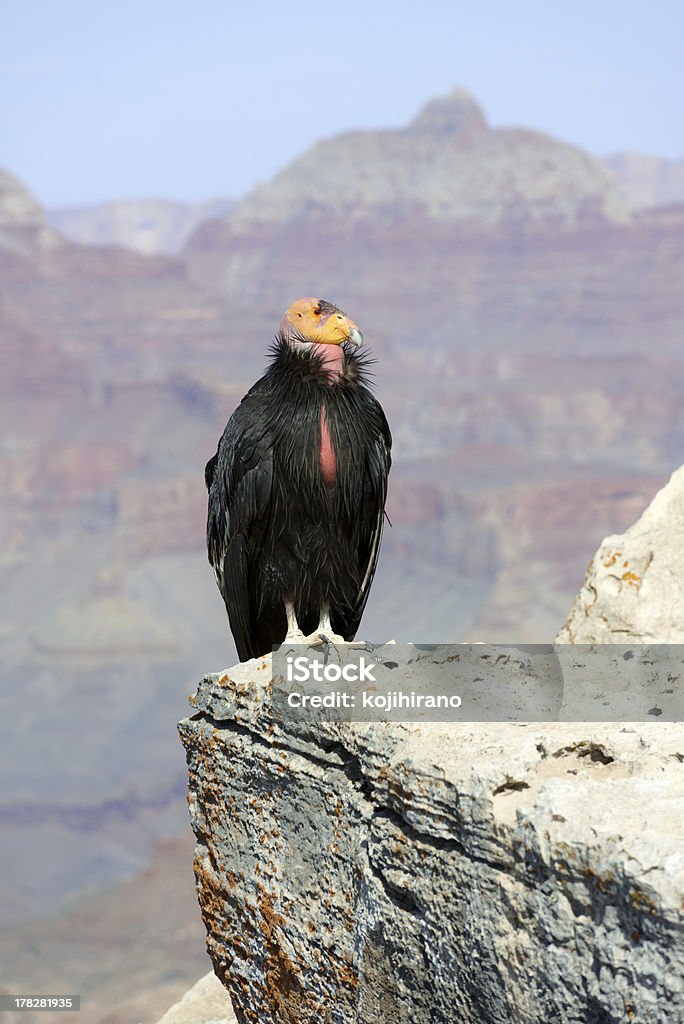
[332,359]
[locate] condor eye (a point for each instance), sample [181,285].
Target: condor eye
[317,311]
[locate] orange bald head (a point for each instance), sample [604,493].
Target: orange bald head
[317,322]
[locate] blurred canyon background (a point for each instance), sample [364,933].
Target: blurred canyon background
[523,299]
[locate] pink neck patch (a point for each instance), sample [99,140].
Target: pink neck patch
[332,357]
[327,460]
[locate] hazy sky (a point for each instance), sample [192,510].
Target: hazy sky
[101,100]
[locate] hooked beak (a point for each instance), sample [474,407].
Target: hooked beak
[355,337]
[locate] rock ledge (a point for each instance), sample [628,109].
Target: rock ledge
[427,873]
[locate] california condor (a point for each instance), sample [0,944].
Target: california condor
[297,489]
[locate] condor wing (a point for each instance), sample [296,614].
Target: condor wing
[239,481]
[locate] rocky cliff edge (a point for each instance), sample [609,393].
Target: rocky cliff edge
[489,873]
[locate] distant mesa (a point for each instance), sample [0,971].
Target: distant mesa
[648,180]
[145,225]
[448,161]
[447,166]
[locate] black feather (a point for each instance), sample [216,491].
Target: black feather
[274,529]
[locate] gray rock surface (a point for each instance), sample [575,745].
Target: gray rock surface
[485,874]
[206,1002]
[634,587]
